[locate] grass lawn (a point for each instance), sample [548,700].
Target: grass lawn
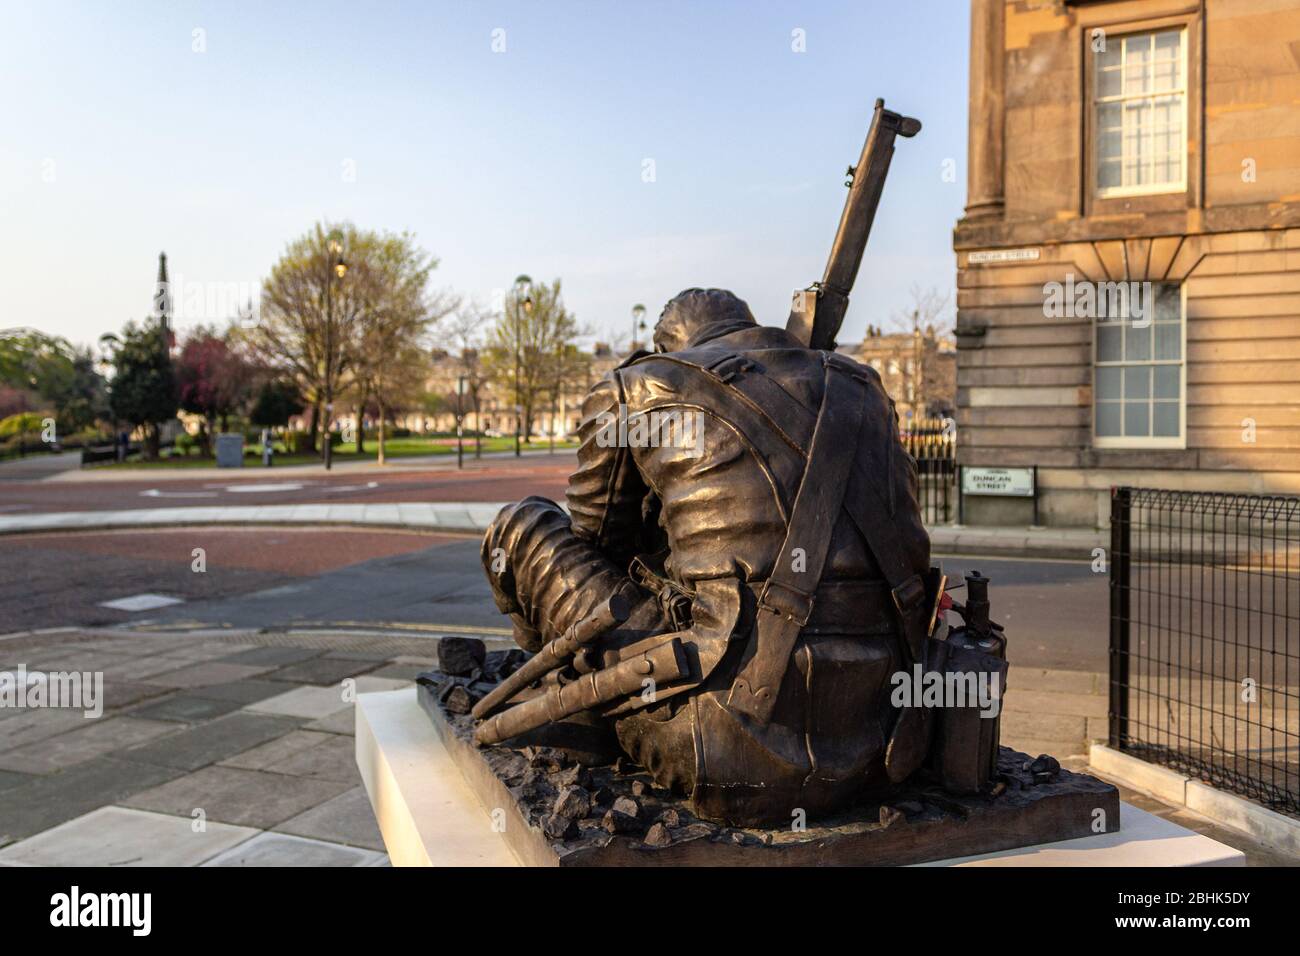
[414,446]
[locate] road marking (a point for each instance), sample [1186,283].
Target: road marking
[266,487]
[157,493]
[141,602]
[336,488]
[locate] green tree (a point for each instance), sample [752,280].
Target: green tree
[529,337]
[45,371]
[143,391]
[333,301]
[276,402]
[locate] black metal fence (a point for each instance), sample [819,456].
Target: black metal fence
[935,451]
[1205,637]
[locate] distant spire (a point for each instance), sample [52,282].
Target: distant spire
[162,297]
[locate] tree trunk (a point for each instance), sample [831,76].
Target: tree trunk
[361,422]
[151,442]
[381,432]
[478,428]
[314,428]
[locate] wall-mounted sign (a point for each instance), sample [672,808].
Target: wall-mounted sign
[1010,482]
[1003,255]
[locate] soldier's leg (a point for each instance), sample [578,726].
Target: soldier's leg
[542,574]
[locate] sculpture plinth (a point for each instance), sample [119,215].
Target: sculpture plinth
[553,812]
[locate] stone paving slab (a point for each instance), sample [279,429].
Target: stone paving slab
[266,756]
[215,740]
[333,758]
[206,652]
[347,818]
[241,691]
[117,836]
[94,739]
[47,801]
[321,671]
[281,849]
[29,726]
[120,694]
[142,668]
[272,656]
[9,779]
[341,722]
[242,797]
[207,672]
[310,703]
[185,708]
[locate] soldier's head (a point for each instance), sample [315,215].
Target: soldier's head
[696,315]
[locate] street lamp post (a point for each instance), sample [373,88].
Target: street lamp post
[638,323]
[555,396]
[524,299]
[460,419]
[339,269]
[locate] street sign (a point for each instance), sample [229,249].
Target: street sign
[1003,255]
[1008,482]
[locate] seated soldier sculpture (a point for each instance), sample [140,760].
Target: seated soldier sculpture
[741,571]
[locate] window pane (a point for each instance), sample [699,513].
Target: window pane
[1137,70]
[1109,82]
[1109,174]
[1169,306]
[1108,381]
[1109,343]
[1137,419]
[1167,44]
[1165,420]
[1137,343]
[1110,57]
[1137,382]
[1166,381]
[1109,145]
[1108,418]
[1168,340]
[1164,75]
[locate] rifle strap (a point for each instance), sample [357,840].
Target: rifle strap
[783,606]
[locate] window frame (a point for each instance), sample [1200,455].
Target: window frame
[1148,441]
[1095,101]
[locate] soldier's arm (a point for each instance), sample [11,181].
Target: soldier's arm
[606,491]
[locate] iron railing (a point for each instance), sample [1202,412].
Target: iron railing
[935,451]
[1205,637]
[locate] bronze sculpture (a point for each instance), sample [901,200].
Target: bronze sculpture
[739,601]
[743,566]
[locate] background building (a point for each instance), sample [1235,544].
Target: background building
[1133,141]
[918,370]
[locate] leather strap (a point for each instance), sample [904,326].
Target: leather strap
[785,605]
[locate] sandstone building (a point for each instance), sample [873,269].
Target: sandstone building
[1128,265]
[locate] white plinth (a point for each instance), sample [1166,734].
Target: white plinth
[429,817]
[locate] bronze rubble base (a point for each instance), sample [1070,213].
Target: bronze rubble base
[615,816]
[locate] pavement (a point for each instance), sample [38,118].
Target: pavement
[213,749]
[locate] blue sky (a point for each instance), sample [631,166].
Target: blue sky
[119,140]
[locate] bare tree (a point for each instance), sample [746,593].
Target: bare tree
[466,329]
[920,320]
